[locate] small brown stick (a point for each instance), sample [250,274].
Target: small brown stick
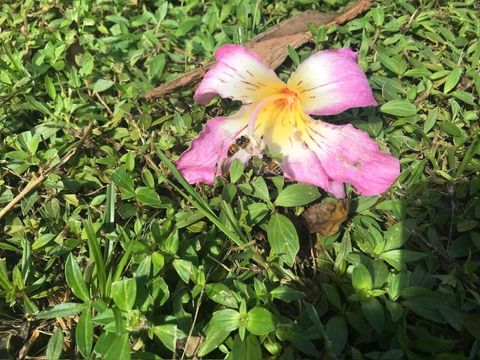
[35,181]
[272,45]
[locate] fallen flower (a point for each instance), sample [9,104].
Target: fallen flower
[276,115]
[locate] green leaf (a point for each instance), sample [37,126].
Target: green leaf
[283,238]
[337,332]
[452,80]
[248,348]
[124,293]
[61,310]
[361,278]
[123,180]
[167,334]
[102,85]
[214,338]
[372,310]
[296,195]
[55,345]
[75,279]
[226,319]
[398,258]
[221,294]
[184,269]
[395,63]
[109,217]
[431,120]
[156,66]
[148,197]
[197,201]
[292,53]
[399,108]
[451,129]
[119,349]
[222,323]
[260,189]
[286,294]
[397,235]
[50,87]
[260,321]
[94,249]
[236,170]
[84,333]
[4,280]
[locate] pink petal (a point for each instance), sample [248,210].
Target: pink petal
[302,165]
[330,82]
[204,159]
[350,156]
[239,74]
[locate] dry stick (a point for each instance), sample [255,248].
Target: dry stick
[35,181]
[271,45]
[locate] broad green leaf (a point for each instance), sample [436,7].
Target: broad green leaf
[221,293]
[431,120]
[452,80]
[248,348]
[148,197]
[156,65]
[213,339]
[260,321]
[119,349]
[102,85]
[50,87]
[283,238]
[167,333]
[222,323]
[361,278]
[61,310]
[84,333]
[123,180]
[398,258]
[286,294]
[296,195]
[395,63]
[397,235]
[451,128]
[184,269]
[399,108]
[337,332]
[124,293]
[226,319]
[332,295]
[75,279]
[55,345]
[260,189]
[372,310]
[236,170]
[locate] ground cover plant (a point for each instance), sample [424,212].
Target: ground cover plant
[114,255]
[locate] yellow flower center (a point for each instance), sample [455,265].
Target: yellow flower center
[278,119]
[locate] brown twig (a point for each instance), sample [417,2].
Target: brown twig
[36,181]
[272,44]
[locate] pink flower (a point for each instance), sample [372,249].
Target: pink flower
[276,114]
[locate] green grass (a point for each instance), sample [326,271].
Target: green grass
[114,256]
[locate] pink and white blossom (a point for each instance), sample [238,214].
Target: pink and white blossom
[276,114]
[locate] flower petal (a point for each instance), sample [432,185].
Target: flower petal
[239,74]
[302,165]
[350,156]
[330,82]
[203,160]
